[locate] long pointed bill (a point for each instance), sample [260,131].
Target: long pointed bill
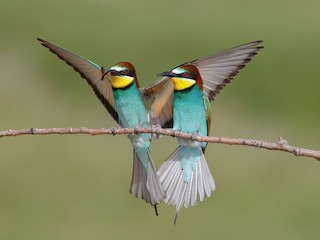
[106,74]
[179,83]
[167,74]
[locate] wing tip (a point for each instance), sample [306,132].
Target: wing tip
[254,43]
[55,50]
[254,49]
[42,41]
[258,41]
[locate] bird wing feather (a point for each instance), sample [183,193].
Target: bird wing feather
[216,71]
[158,99]
[90,71]
[219,69]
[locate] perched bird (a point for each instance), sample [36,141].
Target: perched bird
[118,90]
[132,113]
[185,175]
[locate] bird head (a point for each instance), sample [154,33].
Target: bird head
[121,75]
[184,77]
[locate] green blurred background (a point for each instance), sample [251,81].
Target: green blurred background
[76,187]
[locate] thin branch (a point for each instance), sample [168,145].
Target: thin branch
[281,144]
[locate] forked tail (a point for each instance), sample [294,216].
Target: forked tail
[186,178]
[145,183]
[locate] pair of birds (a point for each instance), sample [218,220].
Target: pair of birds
[180,99]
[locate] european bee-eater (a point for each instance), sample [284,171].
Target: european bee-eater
[118,90]
[185,175]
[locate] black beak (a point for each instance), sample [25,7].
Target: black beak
[107,74]
[167,74]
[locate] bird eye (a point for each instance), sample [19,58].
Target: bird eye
[125,71]
[185,74]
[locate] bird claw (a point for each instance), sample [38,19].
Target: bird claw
[175,132]
[113,131]
[194,136]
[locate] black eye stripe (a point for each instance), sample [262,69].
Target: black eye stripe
[127,72]
[124,72]
[188,75]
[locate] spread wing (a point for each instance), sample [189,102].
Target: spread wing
[219,69]
[158,99]
[216,71]
[90,71]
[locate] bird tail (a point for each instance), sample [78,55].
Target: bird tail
[145,183]
[186,178]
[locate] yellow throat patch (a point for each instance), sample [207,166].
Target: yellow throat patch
[120,81]
[182,83]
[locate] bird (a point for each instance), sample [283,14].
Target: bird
[118,90]
[185,175]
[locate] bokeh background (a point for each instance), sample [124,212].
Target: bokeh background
[76,187]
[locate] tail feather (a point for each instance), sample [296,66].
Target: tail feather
[208,185]
[167,183]
[145,183]
[153,184]
[138,179]
[168,172]
[201,188]
[180,192]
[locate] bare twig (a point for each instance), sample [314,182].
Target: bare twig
[281,145]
